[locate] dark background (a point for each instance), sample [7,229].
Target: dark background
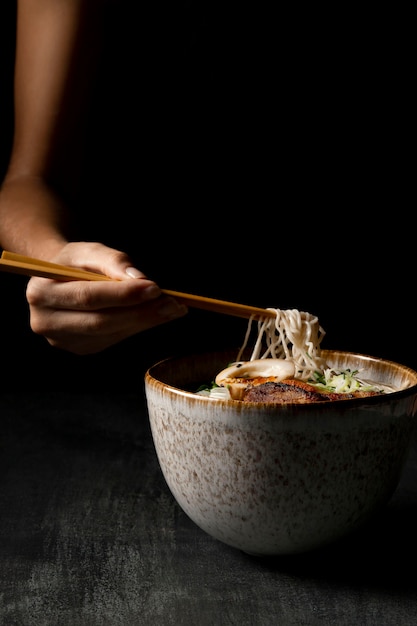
[257,158]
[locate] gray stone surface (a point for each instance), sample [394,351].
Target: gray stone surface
[91,536]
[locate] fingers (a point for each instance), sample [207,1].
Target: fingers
[97,257]
[85,317]
[90,295]
[89,332]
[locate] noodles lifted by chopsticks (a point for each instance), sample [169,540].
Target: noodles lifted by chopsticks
[293,335]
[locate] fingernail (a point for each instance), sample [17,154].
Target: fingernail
[172,309]
[151,292]
[134,273]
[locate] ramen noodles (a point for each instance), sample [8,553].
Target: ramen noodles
[286,365]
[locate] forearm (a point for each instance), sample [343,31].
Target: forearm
[32,218]
[55,54]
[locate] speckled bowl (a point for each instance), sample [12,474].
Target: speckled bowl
[286,479]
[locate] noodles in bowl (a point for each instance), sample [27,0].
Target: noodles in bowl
[287,365]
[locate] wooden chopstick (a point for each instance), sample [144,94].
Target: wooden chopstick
[220,306]
[20,264]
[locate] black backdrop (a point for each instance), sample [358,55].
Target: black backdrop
[241,157]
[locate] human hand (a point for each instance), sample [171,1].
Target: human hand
[85,317]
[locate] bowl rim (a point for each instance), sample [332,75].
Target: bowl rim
[151,379]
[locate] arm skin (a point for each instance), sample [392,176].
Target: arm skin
[81,317]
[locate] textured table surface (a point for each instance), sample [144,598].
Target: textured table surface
[91,536]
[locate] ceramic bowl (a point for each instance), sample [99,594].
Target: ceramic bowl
[270,479]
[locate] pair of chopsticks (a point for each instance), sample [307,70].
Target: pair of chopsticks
[19,264]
